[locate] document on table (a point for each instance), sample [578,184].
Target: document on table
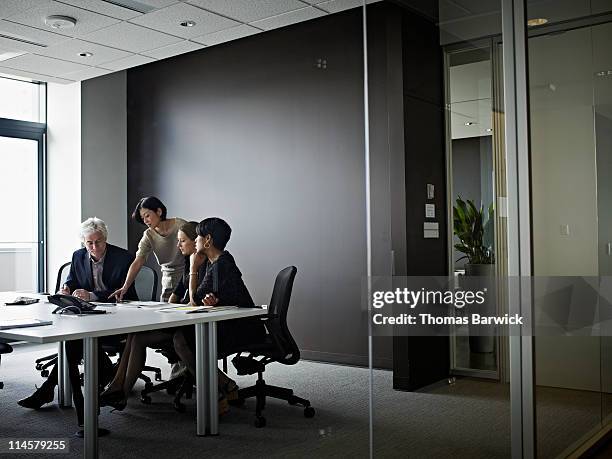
[144,304]
[6,324]
[193,309]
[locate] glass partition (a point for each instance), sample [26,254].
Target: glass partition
[570,83]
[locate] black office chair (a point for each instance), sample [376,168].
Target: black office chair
[43,363]
[5,348]
[279,347]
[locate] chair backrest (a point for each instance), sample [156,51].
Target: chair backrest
[146,284]
[276,322]
[62,275]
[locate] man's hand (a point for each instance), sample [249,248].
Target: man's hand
[82,294]
[210,299]
[64,290]
[118,294]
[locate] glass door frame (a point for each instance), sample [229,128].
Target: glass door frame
[34,131]
[492,44]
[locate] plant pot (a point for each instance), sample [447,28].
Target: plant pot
[482,344]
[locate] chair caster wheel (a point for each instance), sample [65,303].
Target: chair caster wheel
[44,373]
[39,366]
[309,412]
[145,399]
[260,422]
[148,385]
[1,385]
[178,406]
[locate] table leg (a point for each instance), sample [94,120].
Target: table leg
[212,380]
[64,388]
[200,380]
[90,346]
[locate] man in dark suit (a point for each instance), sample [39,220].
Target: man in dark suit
[97,270]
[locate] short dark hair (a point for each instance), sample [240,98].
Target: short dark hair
[218,229]
[150,203]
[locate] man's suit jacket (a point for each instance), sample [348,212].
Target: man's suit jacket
[117,262]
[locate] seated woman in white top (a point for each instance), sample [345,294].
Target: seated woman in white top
[159,238]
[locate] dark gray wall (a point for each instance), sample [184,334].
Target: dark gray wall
[466,177]
[104,153]
[418,361]
[254,132]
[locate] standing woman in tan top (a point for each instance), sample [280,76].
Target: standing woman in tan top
[159,238]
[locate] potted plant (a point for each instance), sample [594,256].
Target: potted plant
[474,230]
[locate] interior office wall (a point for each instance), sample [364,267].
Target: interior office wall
[419,361]
[104,153]
[466,176]
[253,131]
[63,175]
[563,153]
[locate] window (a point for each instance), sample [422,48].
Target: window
[22,244]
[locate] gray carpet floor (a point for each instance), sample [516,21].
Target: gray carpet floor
[468,419]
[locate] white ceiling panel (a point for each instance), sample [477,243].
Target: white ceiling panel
[87,21]
[169,19]
[69,51]
[33,76]
[43,65]
[173,50]
[131,37]
[249,10]
[227,35]
[126,63]
[12,7]
[285,19]
[158,3]
[102,7]
[91,72]
[29,34]
[9,53]
[336,6]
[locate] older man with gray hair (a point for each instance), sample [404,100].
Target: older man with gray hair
[97,270]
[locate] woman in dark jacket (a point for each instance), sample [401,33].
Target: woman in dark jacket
[222,285]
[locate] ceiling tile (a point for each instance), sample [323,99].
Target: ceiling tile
[43,65]
[37,39]
[173,50]
[34,76]
[131,37]
[249,10]
[91,72]
[69,51]
[9,53]
[125,63]
[169,19]
[102,7]
[158,3]
[227,35]
[87,21]
[12,7]
[285,19]
[335,6]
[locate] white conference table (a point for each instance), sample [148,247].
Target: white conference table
[121,320]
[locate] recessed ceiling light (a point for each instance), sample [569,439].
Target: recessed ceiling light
[469,123]
[536,22]
[86,54]
[60,22]
[188,23]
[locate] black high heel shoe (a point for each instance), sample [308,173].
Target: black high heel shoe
[37,399]
[115,399]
